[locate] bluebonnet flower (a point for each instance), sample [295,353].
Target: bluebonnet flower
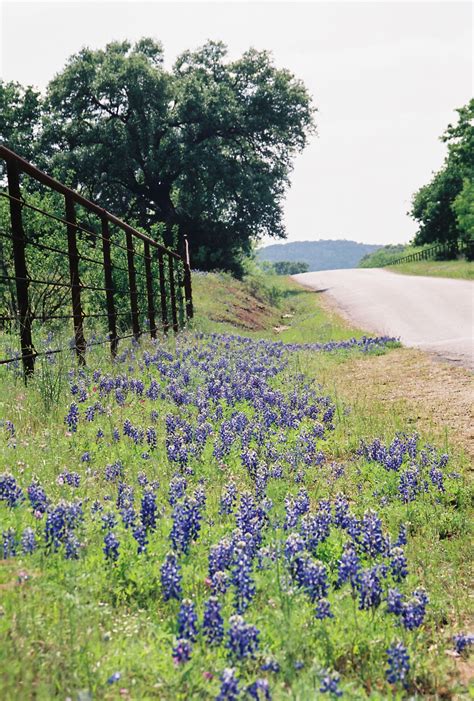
[462,641]
[187,620]
[109,520]
[171,578]
[220,582]
[114,678]
[10,491]
[37,497]
[349,568]
[228,498]
[114,472]
[111,547]
[115,435]
[310,575]
[151,437]
[220,556]
[330,684]
[341,511]
[182,651]
[259,690]
[186,524]
[86,457]
[323,610]
[394,601]
[315,529]
[437,478]
[413,611]
[229,686]
[409,485]
[398,564]
[243,638]
[9,543]
[140,535]
[242,578]
[270,665]
[294,544]
[148,509]
[373,541]
[177,489]
[72,417]
[10,427]
[28,541]
[402,536]
[71,546]
[370,588]
[213,623]
[398,663]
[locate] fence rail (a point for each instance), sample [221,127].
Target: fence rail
[450,248]
[150,269]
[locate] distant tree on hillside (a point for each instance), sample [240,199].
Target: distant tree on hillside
[288,267]
[440,206]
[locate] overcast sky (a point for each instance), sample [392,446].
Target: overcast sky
[385,76]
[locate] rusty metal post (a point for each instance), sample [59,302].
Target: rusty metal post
[109,285]
[164,310]
[75,280]
[149,290]
[132,283]
[188,292]
[21,274]
[174,313]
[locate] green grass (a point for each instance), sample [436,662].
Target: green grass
[67,625]
[457,269]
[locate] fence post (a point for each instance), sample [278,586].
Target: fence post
[21,274]
[75,280]
[132,283]
[164,311]
[188,292]
[149,290]
[109,285]
[174,314]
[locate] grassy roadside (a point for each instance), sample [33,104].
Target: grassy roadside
[457,269]
[68,625]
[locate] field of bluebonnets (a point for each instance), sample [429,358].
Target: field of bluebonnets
[181,524]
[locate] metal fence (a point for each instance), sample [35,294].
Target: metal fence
[449,249]
[156,280]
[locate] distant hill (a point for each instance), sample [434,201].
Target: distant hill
[319,255]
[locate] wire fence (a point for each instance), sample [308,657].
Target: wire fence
[448,249]
[63,257]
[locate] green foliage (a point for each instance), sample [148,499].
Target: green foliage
[384,256]
[288,267]
[206,146]
[463,206]
[442,206]
[20,114]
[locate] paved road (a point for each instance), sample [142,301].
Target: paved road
[435,314]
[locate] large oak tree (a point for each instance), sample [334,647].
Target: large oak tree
[207,146]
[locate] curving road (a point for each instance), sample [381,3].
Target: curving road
[435,314]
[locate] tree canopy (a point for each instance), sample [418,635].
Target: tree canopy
[443,207]
[206,146]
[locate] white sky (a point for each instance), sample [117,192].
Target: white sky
[386,78]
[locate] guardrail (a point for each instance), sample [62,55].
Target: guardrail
[450,249]
[161,273]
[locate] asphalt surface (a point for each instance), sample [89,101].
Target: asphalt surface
[435,314]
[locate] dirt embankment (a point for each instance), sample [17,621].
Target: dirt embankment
[437,396]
